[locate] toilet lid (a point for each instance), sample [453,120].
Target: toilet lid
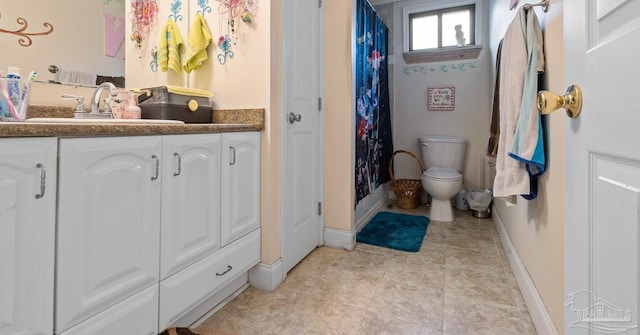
[442,173]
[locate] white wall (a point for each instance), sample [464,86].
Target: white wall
[469,120]
[536,227]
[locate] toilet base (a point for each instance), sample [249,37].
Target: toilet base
[441,210]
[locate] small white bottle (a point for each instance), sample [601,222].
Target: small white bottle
[133,111]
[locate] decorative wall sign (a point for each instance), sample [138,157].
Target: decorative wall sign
[441,98]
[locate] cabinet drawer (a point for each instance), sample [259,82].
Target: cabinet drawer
[189,287]
[137,315]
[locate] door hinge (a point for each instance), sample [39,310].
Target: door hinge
[319,104]
[319,3]
[319,208]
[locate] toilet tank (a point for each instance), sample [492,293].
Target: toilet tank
[443,151]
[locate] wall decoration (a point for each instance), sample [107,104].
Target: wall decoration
[204,7]
[154,59]
[25,37]
[441,98]
[224,43]
[232,12]
[144,16]
[424,69]
[175,8]
[113,34]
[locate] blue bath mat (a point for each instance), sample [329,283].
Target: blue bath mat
[395,231]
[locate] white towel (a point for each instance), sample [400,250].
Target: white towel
[512,178]
[528,140]
[76,77]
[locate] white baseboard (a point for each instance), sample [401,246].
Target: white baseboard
[267,277]
[337,238]
[539,315]
[370,213]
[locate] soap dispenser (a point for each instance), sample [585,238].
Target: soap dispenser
[133,111]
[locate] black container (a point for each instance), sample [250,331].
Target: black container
[161,103]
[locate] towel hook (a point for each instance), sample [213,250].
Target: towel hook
[549,102]
[544,4]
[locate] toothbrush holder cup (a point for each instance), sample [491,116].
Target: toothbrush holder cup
[14,99]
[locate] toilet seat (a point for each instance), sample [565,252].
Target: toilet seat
[442,174]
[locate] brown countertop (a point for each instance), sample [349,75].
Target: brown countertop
[224,121]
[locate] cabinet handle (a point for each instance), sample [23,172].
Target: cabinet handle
[233,155]
[175,154]
[43,180]
[229,268]
[157,167]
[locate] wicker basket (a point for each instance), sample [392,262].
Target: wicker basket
[408,191]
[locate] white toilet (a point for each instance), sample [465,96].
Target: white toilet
[443,158]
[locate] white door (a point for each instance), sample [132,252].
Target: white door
[602,55]
[300,177]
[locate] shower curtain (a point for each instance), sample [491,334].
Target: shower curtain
[374,145]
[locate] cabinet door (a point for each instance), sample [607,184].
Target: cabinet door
[190,200]
[108,223]
[240,185]
[27,235]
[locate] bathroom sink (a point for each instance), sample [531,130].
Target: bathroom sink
[100,121]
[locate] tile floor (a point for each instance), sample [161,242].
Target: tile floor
[460,282]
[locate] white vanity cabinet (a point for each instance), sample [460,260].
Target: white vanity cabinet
[240,185]
[153,229]
[27,235]
[108,228]
[238,219]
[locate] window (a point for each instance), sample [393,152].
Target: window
[442,28]
[439,30]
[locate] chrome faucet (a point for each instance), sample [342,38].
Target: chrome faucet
[95,100]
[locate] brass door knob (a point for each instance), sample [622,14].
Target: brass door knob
[548,102]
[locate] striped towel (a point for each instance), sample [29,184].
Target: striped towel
[169,47]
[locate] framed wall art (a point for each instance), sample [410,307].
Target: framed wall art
[441,98]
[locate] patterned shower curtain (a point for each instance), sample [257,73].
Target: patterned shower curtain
[374,145]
